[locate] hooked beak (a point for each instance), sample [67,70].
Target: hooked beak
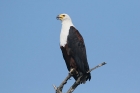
[57,17]
[60,17]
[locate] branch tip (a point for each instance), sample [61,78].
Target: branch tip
[54,87]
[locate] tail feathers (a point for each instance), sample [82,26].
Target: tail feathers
[84,78]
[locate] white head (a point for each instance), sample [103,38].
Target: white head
[66,23]
[63,17]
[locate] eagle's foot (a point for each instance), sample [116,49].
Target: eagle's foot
[71,70]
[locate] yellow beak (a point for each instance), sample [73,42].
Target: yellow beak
[59,17]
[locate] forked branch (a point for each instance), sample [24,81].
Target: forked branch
[76,83]
[59,89]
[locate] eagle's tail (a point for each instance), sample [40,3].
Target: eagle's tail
[85,77]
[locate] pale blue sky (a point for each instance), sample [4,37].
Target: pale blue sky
[30,57]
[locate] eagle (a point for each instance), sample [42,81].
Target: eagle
[73,49]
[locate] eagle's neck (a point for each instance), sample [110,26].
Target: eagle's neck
[66,24]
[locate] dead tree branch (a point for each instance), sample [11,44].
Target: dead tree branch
[73,87]
[96,67]
[76,83]
[59,89]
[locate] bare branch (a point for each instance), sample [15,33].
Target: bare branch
[56,89]
[73,87]
[59,89]
[76,83]
[64,82]
[96,67]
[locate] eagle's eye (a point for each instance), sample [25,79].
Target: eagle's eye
[63,15]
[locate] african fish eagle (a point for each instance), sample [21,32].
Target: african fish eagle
[73,49]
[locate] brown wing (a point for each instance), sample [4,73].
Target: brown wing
[70,63]
[78,50]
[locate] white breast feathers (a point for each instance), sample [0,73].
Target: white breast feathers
[65,31]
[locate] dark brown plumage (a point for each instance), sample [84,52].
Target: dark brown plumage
[74,54]
[73,49]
